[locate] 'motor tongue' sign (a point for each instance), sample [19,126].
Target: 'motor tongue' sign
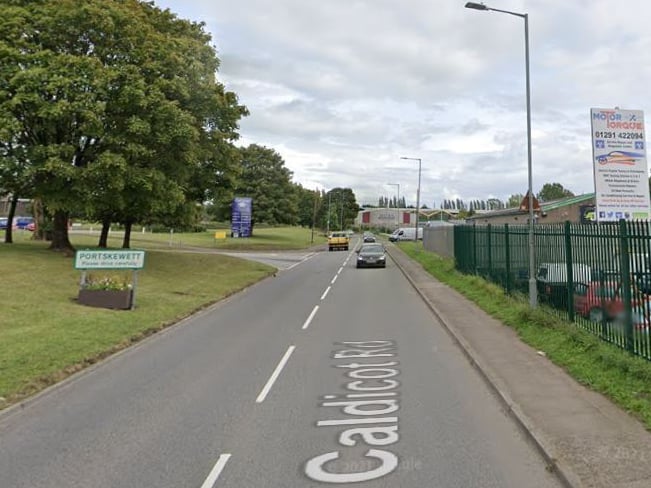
[125,259]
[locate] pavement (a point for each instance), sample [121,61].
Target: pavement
[587,440]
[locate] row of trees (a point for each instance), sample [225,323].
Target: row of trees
[391,202]
[548,193]
[111,111]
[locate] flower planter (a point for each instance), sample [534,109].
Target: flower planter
[114,299]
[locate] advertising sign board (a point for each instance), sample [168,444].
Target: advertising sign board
[619,164]
[587,214]
[241,210]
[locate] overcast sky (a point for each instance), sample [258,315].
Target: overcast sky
[341,89]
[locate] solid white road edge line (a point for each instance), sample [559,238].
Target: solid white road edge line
[325,293]
[309,319]
[274,376]
[216,471]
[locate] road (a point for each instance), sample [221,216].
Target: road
[323,375]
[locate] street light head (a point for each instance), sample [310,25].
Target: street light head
[476,6]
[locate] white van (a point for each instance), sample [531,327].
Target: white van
[551,281]
[406,234]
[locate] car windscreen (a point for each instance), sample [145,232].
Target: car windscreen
[372,249]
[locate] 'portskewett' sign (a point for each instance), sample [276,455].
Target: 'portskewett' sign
[125,259]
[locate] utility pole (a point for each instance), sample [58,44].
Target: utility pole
[316,193]
[329,201]
[341,195]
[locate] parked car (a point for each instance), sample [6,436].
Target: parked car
[371,255]
[4,221]
[23,222]
[601,300]
[31,226]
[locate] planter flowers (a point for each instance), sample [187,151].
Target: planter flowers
[106,291]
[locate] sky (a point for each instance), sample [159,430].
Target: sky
[343,89]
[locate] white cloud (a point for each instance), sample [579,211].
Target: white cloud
[343,88]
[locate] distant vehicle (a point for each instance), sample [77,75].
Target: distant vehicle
[368,237]
[371,255]
[31,227]
[338,241]
[4,222]
[23,222]
[18,222]
[406,234]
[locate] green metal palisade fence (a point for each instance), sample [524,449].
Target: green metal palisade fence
[596,275]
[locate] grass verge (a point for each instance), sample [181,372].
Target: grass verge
[624,378]
[45,335]
[270,238]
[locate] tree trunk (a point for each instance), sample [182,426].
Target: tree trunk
[40,233]
[103,237]
[60,239]
[9,239]
[126,243]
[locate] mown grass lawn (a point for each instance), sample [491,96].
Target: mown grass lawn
[45,335]
[264,238]
[624,378]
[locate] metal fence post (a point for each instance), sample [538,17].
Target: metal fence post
[626,284]
[474,249]
[507,257]
[490,256]
[570,271]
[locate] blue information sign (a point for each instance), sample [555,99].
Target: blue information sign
[241,217]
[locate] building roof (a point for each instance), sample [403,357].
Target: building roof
[544,207]
[563,202]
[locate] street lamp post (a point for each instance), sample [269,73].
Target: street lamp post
[417,194]
[533,295]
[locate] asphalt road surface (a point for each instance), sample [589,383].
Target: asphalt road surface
[323,375]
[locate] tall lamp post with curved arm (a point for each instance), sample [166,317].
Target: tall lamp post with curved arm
[533,295]
[417,194]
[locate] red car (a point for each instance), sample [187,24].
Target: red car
[598,300]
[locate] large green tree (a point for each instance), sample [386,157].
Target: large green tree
[553,191]
[265,178]
[118,107]
[340,207]
[309,205]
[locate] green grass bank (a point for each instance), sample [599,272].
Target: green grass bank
[45,335]
[623,378]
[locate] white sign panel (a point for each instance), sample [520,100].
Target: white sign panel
[123,259]
[620,167]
